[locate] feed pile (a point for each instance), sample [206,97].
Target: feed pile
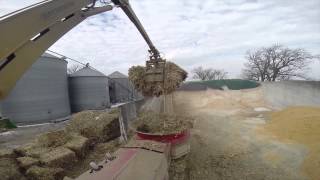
[299,125]
[160,123]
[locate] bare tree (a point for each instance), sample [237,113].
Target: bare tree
[276,63]
[199,73]
[74,68]
[208,74]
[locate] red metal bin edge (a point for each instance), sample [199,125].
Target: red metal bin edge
[173,139]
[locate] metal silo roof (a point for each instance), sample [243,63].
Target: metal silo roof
[87,72]
[49,55]
[117,75]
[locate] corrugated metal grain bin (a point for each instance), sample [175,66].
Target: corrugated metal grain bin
[41,95]
[88,90]
[121,90]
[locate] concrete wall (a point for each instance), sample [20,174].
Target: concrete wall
[129,111]
[292,93]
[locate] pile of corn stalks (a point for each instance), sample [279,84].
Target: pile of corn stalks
[173,77]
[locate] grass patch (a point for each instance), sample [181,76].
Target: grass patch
[6,124]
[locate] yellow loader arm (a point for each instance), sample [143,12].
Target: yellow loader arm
[27,33]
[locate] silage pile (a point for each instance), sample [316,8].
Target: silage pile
[53,153]
[160,123]
[300,125]
[174,76]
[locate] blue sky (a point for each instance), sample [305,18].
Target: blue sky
[209,33]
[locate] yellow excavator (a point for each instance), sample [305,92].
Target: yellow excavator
[26,33]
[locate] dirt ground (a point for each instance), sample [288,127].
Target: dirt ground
[225,143]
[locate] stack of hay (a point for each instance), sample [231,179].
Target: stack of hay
[96,125]
[9,168]
[174,76]
[51,153]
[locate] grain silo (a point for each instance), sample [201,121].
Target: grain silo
[121,90]
[41,95]
[88,90]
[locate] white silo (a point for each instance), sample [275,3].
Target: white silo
[88,90]
[41,95]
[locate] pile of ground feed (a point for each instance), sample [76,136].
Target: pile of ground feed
[160,123]
[174,76]
[219,102]
[299,125]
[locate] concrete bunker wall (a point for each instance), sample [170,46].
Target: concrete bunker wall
[129,112]
[292,93]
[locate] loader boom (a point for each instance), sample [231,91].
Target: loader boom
[125,6]
[27,33]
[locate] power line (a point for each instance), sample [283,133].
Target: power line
[131,91]
[63,56]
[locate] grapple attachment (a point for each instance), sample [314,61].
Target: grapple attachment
[155,70]
[155,75]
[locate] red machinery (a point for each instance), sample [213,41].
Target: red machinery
[146,157]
